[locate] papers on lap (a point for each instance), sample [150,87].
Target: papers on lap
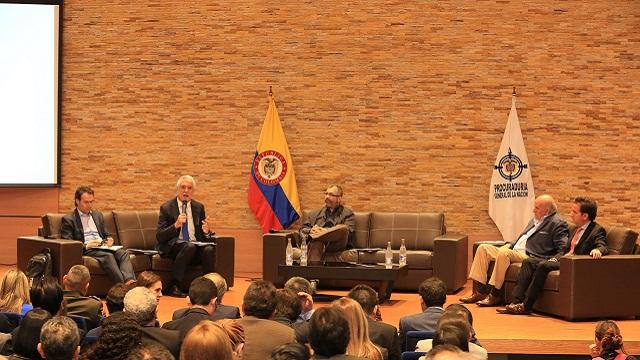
[330,234]
[109,248]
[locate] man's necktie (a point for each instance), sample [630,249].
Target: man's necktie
[185,230]
[574,240]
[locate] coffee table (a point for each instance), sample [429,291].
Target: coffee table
[349,271]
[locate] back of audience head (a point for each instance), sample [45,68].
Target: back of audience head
[359,343]
[299,284]
[26,339]
[203,292]
[259,299]
[115,297]
[47,294]
[59,339]
[287,305]
[14,291]
[433,292]
[150,351]
[141,304]
[462,310]
[221,285]
[235,332]
[120,334]
[291,351]
[609,338]
[447,352]
[77,279]
[366,296]
[206,341]
[329,331]
[151,281]
[452,335]
[455,319]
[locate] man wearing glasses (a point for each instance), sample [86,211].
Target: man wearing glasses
[336,218]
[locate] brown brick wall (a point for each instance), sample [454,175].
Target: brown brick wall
[403,102]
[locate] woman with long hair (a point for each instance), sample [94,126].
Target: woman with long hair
[206,341]
[151,281]
[608,342]
[14,293]
[359,342]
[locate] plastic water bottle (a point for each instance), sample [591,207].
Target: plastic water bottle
[403,254]
[289,253]
[388,257]
[303,253]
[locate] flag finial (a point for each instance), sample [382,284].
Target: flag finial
[514,91]
[271,91]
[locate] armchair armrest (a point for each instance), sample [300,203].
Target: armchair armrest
[450,259]
[64,253]
[273,254]
[225,255]
[607,288]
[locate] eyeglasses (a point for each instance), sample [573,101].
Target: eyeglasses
[330,194]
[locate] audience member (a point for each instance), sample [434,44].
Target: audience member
[304,289]
[151,281]
[150,351]
[202,300]
[332,214]
[454,329]
[25,338]
[76,284]
[288,307]
[433,295]
[59,339]
[291,351]
[183,220]
[222,311]
[359,342]
[87,225]
[544,237]
[235,332]
[207,341]
[48,295]
[589,238]
[120,335]
[258,305]
[446,352]
[608,343]
[141,304]
[329,334]
[14,293]
[115,303]
[382,334]
[462,310]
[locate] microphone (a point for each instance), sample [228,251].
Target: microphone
[184,207]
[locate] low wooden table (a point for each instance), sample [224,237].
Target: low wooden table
[347,271]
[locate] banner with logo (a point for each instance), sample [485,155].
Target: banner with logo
[511,196]
[273,193]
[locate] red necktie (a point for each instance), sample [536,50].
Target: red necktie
[574,240]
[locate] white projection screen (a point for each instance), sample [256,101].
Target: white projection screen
[30,89]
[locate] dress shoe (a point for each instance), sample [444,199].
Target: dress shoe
[514,309]
[176,292]
[473,298]
[492,300]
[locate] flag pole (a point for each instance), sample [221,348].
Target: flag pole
[514,91]
[271,91]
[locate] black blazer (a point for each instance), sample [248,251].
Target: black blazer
[222,312]
[167,234]
[593,237]
[549,240]
[189,320]
[386,336]
[170,339]
[71,227]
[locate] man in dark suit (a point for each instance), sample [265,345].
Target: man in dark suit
[182,221]
[433,295]
[382,334]
[544,237]
[329,334]
[87,225]
[202,298]
[222,311]
[141,304]
[589,238]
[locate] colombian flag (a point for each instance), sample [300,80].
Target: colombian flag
[273,193]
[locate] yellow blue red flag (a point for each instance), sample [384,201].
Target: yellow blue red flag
[273,193]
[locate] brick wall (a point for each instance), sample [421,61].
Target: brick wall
[402,102]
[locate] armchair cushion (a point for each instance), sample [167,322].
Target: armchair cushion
[137,229]
[418,229]
[621,240]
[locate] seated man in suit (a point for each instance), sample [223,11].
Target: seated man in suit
[183,220]
[332,214]
[87,225]
[544,237]
[589,238]
[75,284]
[433,295]
[141,304]
[382,334]
[222,311]
[304,289]
[202,298]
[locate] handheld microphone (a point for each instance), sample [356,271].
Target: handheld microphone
[184,207]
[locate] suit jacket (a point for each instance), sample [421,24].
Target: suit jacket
[593,237]
[549,239]
[167,234]
[386,336]
[424,321]
[262,335]
[71,227]
[89,307]
[222,312]
[170,339]
[188,321]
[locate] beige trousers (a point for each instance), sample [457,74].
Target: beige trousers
[503,257]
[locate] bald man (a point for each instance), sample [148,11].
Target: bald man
[544,237]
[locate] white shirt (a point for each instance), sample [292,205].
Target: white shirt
[192,228]
[521,244]
[89,227]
